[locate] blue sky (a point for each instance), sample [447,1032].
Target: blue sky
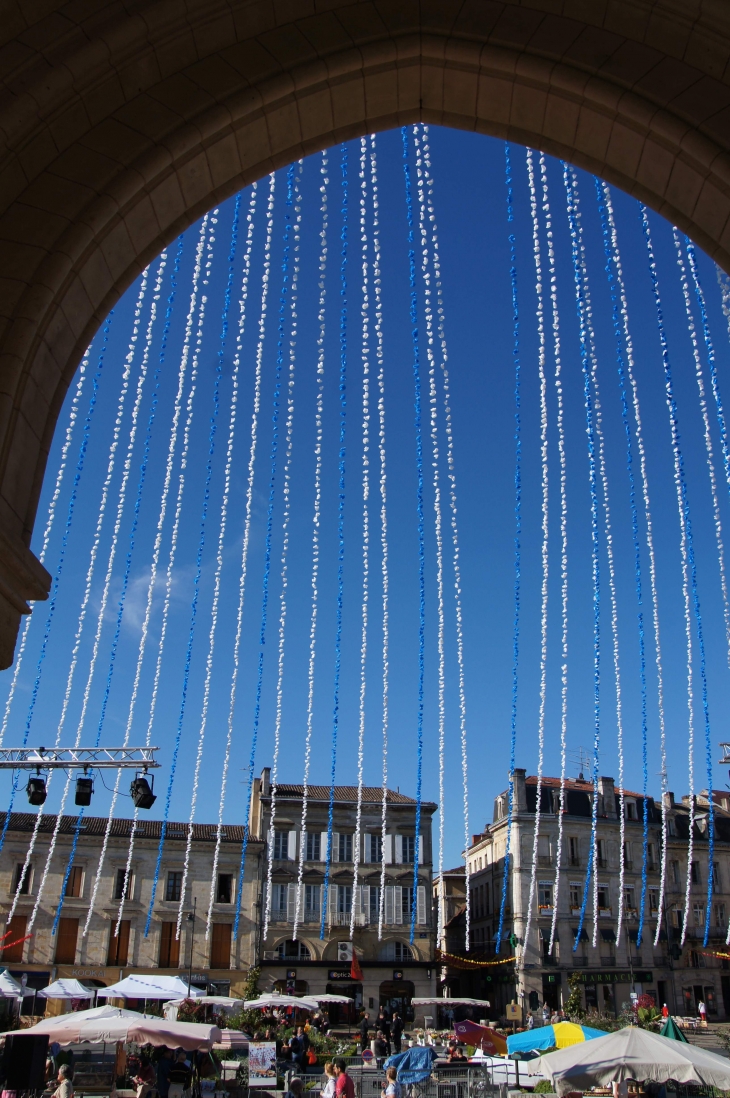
[470,207]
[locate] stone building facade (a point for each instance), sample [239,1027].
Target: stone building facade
[393,970]
[675,973]
[219,962]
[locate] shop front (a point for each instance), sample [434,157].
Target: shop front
[606,992]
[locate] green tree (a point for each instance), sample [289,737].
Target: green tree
[574,1004]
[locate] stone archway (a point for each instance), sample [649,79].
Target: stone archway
[124,121]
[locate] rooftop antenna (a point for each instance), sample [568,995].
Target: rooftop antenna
[580,759]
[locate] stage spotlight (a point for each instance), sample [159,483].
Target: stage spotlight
[36,790]
[84,789]
[141,792]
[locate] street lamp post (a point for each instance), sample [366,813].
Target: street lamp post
[191,919]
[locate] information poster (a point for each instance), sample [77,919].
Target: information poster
[262,1064]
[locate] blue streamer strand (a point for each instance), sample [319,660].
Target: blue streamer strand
[413,316]
[80,461]
[198,569]
[621,368]
[518,536]
[283,299]
[674,424]
[340,530]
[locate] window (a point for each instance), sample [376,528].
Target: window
[118,951]
[674,873]
[224,891]
[311,901]
[720,917]
[174,888]
[675,916]
[294,951]
[14,932]
[627,856]
[66,936]
[573,854]
[406,904]
[698,914]
[374,904]
[314,846]
[629,898]
[651,862]
[278,903]
[409,849]
[695,959]
[22,879]
[220,949]
[74,883]
[653,900]
[671,828]
[716,874]
[395,951]
[344,847]
[543,851]
[169,946]
[602,856]
[696,873]
[575,890]
[631,813]
[119,892]
[344,899]
[281,846]
[604,903]
[545,894]
[373,848]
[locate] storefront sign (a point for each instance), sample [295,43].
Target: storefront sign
[612,977]
[339,974]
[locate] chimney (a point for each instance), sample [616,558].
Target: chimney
[607,794]
[668,800]
[520,795]
[266,781]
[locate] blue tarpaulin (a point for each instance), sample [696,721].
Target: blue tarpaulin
[414,1065]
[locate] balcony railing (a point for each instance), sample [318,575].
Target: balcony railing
[306,915]
[602,863]
[574,861]
[544,860]
[608,962]
[628,864]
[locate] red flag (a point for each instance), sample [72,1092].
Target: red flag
[355,970]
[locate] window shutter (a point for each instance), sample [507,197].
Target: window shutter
[335,847]
[389,915]
[420,849]
[398,849]
[332,903]
[421,904]
[388,850]
[291,852]
[365,902]
[398,903]
[323,846]
[368,855]
[291,902]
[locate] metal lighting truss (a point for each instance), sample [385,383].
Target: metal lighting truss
[73,758]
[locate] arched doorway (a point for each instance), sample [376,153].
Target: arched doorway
[346,1014]
[106,160]
[397,995]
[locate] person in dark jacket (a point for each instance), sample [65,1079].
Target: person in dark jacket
[396,1028]
[179,1077]
[364,1030]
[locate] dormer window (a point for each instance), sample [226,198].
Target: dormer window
[631,813]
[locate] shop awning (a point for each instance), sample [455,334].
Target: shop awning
[582,936]
[608,934]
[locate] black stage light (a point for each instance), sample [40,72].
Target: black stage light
[84,789]
[36,790]
[141,792]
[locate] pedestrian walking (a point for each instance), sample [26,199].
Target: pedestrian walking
[344,1085]
[665,1011]
[396,1029]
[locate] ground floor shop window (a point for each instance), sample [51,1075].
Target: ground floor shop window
[397,995]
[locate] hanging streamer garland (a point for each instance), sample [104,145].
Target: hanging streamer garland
[340,530]
[711,362]
[219,556]
[73,416]
[689,581]
[101,615]
[59,567]
[588,354]
[456,560]
[544,552]
[288,287]
[620,314]
[213,221]
[438,522]
[365,318]
[518,537]
[377,293]
[720,550]
[242,304]
[413,316]
[563,536]
[193,305]
[314,582]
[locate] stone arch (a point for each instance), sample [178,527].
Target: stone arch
[123,122]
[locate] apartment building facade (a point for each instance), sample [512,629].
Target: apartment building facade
[677,973]
[59,944]
[394,970]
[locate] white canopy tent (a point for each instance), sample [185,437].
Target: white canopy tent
[435,1001]
[108,1024]
[631,1053]
[9,986]
[150,987]
[67,989]
[223,1001]
[271,1001]
[331,998]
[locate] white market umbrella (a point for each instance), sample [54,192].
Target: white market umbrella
[107,1025]
[272,1000]
[150,987]
[631,1053]
[223,1001]
[442,1002]
[332,998]
[67,989]
[9,986]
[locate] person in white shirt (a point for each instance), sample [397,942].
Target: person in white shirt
[329,1088]
[65,1088]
